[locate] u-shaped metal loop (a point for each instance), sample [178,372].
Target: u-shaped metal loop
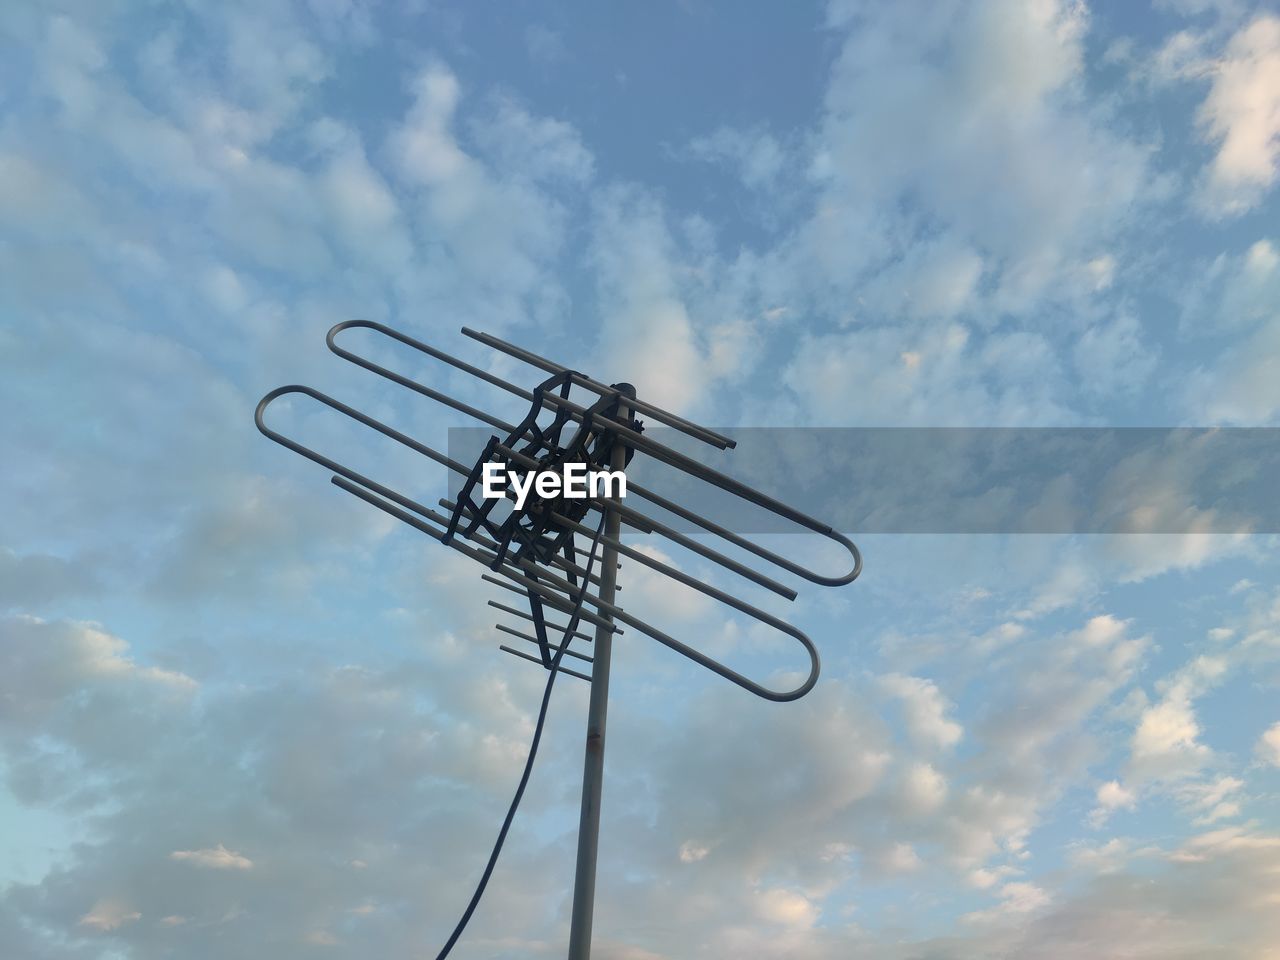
[551,588]
[638,441]
[615,613]
[404,509]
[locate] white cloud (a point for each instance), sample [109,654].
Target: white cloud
[366,216]
[691,852]
[494,227]
[1212,800]
[984,878]
[649,337]
[925,710]
[786,907]
[1111,796]
[898,858]
[976,116]
[821,762]
[757,156]
[1241,116]
[1251,293]
[1108,857]
[660,600]
[1223,842]
[534,147]
[1017,899]
[108,915]
[43,661]
[1269,745]
[924,789]
[928,374]
[1240,297]
[214,858]
[663,328]
[1166,743]
[544,45]
[1114,357]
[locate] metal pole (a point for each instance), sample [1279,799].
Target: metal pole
[584,882]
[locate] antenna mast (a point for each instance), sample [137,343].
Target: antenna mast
[533,550]
[584,879]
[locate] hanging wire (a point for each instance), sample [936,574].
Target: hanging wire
[554,667]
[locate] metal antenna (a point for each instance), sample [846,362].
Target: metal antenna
[535,552]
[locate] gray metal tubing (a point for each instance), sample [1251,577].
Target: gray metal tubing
[525,615]
[629,515]
[649,525]
[690,466]
[656,449]
[728,673]
[529,565]
[633,438]
[714,555]
[359,478]
[669,570]
[524,656]
[764,554]
[382,428]
[609,610]
[556,559]
[582,909]
[553,599]
[369,491]
[662,416]
[531,639]
[514,589]
[354,414]
[413,385]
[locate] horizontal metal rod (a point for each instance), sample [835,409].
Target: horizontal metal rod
[354,414]
[556,559]
[413,385]
[534,640]
[387,492]
[524,656]
[657,413]
[608,610]
[529,566]
[634,439]
[525,615]
[739,541]
[509,586]
[374,493]
[715,666]
[632,517]
[680,461]
[654,564]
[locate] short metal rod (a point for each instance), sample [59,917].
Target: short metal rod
[584,881]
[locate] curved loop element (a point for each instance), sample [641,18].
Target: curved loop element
[534,577]
[637,440]
[609,611]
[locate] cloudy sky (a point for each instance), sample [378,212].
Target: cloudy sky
[243,716]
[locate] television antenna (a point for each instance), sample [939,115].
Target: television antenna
[536,553]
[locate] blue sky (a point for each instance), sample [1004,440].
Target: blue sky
[241,716]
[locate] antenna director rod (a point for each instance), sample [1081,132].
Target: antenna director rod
[582,380]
